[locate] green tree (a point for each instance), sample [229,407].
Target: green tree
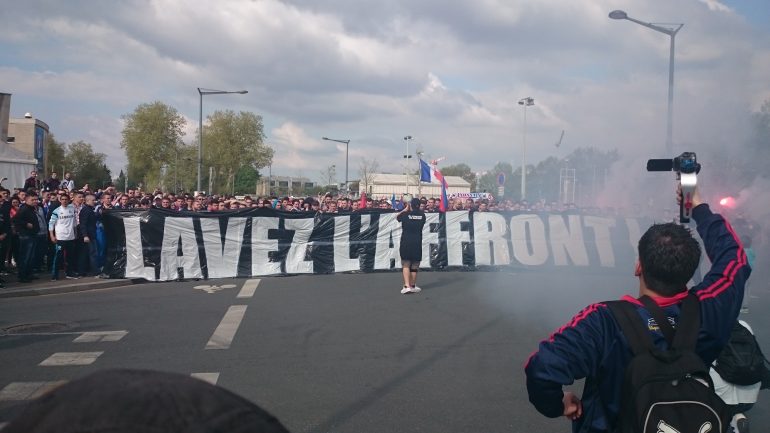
[462,170]
[246,179]
[120,182]
[542,179]
[152,136]
[488,180]
[180,172]
[86,166]
[54,156]
[231,141]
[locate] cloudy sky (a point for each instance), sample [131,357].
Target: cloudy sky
[448,73]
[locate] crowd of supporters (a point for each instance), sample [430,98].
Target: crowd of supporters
[50,227]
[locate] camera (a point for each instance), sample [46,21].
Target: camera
[687,162]
[687,168]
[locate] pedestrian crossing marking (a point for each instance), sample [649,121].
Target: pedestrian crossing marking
[70,358]
[211,378]
[19,391]
[100,336]
[248,289]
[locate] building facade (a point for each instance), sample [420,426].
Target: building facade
[284,185]
[28,136]
[15,165]
[384,185]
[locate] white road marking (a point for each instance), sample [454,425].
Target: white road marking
[45,334]
[213,288]
[18,391]
[227,328]
[95,337]
[70,358]
[211,378]
[248,289]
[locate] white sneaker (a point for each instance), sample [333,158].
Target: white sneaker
[406,290]
[415,289]
[740,423]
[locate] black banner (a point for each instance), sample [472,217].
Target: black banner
[165,245]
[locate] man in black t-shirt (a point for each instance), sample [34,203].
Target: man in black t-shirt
[412,221]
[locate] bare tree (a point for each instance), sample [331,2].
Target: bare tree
[329,175]
[367,169]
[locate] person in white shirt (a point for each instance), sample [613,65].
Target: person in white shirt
[63,231]
[739,398]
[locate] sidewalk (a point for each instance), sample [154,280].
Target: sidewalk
[44,285]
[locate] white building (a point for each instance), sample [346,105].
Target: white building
[382,185]
[16,165]
[284,185]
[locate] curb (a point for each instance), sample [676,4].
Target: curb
[66,288]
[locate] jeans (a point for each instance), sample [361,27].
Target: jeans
[27,249]
[87,257]
[101,246]
[70,257]
[41,250]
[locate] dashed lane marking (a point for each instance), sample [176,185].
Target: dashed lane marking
[60,359]
[227,328]
[95,337]
[211,378]
[18,391]
[248,289]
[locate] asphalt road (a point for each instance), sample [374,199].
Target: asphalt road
[327,353]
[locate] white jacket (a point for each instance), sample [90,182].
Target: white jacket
[64,223]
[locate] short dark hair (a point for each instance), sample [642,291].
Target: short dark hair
[669,256]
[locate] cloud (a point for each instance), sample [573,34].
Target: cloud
[447,73]
[715,5]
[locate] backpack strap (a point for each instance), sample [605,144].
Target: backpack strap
[659,315]
[688,325]
[631,325]
[638,336]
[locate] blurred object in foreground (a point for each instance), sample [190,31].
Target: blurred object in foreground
[123,401]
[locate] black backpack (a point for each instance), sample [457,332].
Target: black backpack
[666,391]
[741,361]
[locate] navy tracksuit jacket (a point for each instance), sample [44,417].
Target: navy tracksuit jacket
[591,345]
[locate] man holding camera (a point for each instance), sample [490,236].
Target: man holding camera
[592,346]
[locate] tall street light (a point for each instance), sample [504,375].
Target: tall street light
[202,92]
[347,148]
[671,30]
[525,102]
[406,163]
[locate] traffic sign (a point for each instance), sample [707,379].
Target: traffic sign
[501,179]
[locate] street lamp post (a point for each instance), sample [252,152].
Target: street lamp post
[406,163]
[525,102]
[671,30]
[201,92]
[347,152]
